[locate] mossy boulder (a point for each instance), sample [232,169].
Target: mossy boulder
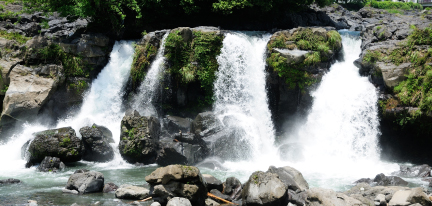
[191,69]
[96,144]
[145,52]
[177,181]
[297,59]
[139,138]
[62,143]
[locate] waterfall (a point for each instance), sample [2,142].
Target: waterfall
[102,105]
[143,101]
[340,136]
[240,93]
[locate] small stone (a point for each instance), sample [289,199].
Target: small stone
[155,204]
[70,191]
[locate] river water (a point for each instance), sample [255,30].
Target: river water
[336,144]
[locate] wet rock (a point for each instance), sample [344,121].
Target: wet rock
[408,197]
[70,191]
[139,138]
[177,181]
[51,164]
[81,171]
[178,201]
[180,153]
[291,177]
[110,187]
[175,124]
[364,190]
[383,180]
[264,188]
[297,198]
[96,145]
[210,202]
[380,200]
[86,182]
[132,192]
[10,181]
[364,180]
[62,143]
[414,171]
[233,188]
[327,197]
[28,91]
[212,182]
[205,124]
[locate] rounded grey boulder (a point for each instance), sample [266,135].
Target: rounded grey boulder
[264,188]
[86,182]
[132,192]
[179,201]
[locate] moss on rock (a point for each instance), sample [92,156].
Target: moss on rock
[318,44]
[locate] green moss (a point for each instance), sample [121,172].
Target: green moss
[73,65]
[195,61]
[141,62]
[79,86]
[319,46]
[14,36]
[65,142]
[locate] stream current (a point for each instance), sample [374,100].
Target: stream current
[336,144]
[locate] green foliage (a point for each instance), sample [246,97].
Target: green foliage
[14,36]
[65,142]
[195,61]
[334,39]
[73,65]
[371,56]
[141,62]
[318,44]
[8,15]
[394,11]
[395,5]
[5,89]
[312,58]
[114,13]
[44,24]
[80,86]
[293,76]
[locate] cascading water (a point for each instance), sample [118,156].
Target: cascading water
[143,101]
[339,141]
[240,94]
[102,105]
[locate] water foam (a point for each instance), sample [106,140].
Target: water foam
[143,101]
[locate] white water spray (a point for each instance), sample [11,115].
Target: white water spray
[340,137]
[240,91]
[143,101]
[102,105]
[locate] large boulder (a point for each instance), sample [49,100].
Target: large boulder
[175,124]
[29,89]
[51,164]
[264,188]
[179,201]
[96,145]
[132,192]
[62,143]
[382,180]
[327,197]
[139,138]
[212,182]
[86,182]
[233,188]
[291,177]
[205,124]
[176,152]
[177,181]
[414,171]
[409,197]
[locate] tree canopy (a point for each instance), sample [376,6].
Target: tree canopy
[114,12]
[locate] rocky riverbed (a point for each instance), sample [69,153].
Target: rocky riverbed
[185,185]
